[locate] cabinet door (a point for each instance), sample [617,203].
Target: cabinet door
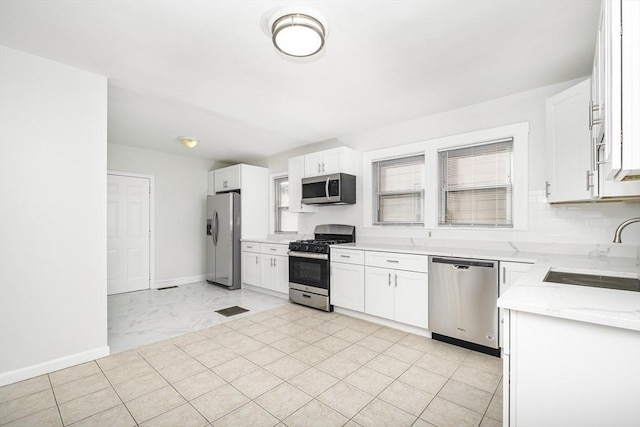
[228,178]
[509,273]
[296,173]
[281,274]
[313,164]
[347,286]
[411,299]
[378,295]
[267,272]
[569,167]
[251,268]
[332,161]
[220,179]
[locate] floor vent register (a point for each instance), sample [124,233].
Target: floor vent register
[231,311]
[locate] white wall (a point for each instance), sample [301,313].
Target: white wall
[590,223]
[53,161]
[180,209]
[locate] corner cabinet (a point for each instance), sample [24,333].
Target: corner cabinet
[396,287]
[347,279]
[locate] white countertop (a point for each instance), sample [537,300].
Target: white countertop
[608,307]
[271,240]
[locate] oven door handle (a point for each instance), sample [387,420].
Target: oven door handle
[308,255]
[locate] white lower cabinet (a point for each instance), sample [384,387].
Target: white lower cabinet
[397,294]
[274,272]
[347,279]
[509,273]
[561,372]
[265,265]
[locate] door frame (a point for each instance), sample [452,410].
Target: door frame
[152,227]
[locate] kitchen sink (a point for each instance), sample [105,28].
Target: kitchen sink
[594,280]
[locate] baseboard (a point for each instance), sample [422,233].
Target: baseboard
[178,281]
[265,291]
[385,322]
[32,371]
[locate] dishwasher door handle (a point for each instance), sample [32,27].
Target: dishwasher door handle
[459,267]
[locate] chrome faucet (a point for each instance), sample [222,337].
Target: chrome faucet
[617,238]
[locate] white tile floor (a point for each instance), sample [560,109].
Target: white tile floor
[144,317]
[284,366]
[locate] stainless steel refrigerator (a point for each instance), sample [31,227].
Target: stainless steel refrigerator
[223,240]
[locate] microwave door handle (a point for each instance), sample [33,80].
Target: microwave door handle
[326,188]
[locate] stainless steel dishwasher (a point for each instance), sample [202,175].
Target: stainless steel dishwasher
[462,302]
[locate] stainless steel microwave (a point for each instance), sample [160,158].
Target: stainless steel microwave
[337,188]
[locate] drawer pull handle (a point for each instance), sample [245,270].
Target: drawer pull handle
[306,296]
[345,256]
[272,249]
[395,261]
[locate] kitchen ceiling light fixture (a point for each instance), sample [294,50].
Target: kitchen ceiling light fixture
[298,34]
[188,142]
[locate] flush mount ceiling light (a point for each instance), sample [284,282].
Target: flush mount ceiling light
[298,34]
[188,142]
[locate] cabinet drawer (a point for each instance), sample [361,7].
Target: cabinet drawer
[347,256]
[250,247]
[274,249]
[409,262]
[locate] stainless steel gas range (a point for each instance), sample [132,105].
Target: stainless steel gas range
[309,265]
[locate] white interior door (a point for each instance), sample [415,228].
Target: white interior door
[128,233]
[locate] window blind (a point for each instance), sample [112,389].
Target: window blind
[475,185]
[398,191]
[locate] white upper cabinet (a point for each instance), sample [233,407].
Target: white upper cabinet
[227,179]
[569,165]
[296,173]
[615,98]
[335,160]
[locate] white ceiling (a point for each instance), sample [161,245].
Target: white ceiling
[207,69]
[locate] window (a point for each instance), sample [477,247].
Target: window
[476,185]
[398,191]
[286,222]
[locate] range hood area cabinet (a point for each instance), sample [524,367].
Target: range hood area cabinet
[335,160]
[574,173]
[614,110]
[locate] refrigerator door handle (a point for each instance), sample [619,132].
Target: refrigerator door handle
[215,228]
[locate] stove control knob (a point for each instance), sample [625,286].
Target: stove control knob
[305,248]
